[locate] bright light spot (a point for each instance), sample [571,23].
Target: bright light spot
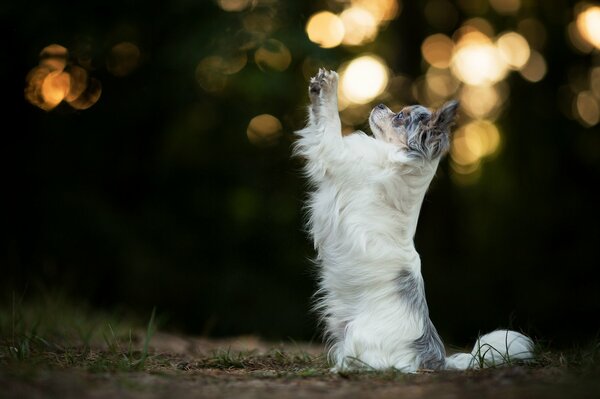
[437,50]
[273,55]
[506,6]
[234,5]
[123,59]
[55,88]
[476,60]
[53,81]
[382,10]
[577,40]
[535,69]
[363,79]
[474,141]
[587,108]
[513,49]
[54,57]
[588,24]
[480,101]
[33,89]
[462,152]
[264,130]
[359,26]
[441,82]
[326,29]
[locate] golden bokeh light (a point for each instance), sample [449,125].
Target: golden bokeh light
[363,79]
[513,49]
[264,130]
[273,55]
[441,82]
[476,25]
[235,5]
[506,6]
[212,72]
[78,83]
[476,61]
[360,26]
[588,24]
[54,57]
[481,101]
[587,109]
[33,89]
[325,29]
[261,21]
[234,62]
[437,50]
[55,88]
[535,69]
[123,59]
[474,141]
[577,40]
[209,74]
[382,10]
[89,97]
[56,79]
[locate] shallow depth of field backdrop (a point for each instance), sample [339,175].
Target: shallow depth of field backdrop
[149,162]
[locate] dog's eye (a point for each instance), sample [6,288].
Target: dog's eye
[398,119]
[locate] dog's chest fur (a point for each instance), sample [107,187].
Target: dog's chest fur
[362,222]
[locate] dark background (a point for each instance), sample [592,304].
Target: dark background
[154,196]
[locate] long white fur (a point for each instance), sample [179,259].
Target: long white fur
[362,216]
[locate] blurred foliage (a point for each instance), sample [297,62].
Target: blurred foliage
[160,193]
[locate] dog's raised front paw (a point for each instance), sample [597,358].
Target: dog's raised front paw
[323,84]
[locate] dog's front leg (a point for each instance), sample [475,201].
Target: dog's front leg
[320,142]
[322,91]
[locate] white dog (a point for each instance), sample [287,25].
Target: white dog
[362,216]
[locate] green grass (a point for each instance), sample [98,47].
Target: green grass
[55,332]
[52,332]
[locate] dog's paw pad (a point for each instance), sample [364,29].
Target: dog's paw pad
[314,87]
[324,81]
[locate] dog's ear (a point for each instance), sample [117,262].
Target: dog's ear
[443,118]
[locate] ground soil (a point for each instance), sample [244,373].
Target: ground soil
[192,368]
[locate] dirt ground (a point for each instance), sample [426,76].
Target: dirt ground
[247,367]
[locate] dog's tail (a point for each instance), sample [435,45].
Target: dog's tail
[500,347]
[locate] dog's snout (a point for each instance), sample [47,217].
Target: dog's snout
[381,106]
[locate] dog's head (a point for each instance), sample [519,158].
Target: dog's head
[415,129]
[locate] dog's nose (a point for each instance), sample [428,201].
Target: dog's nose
[381,106]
